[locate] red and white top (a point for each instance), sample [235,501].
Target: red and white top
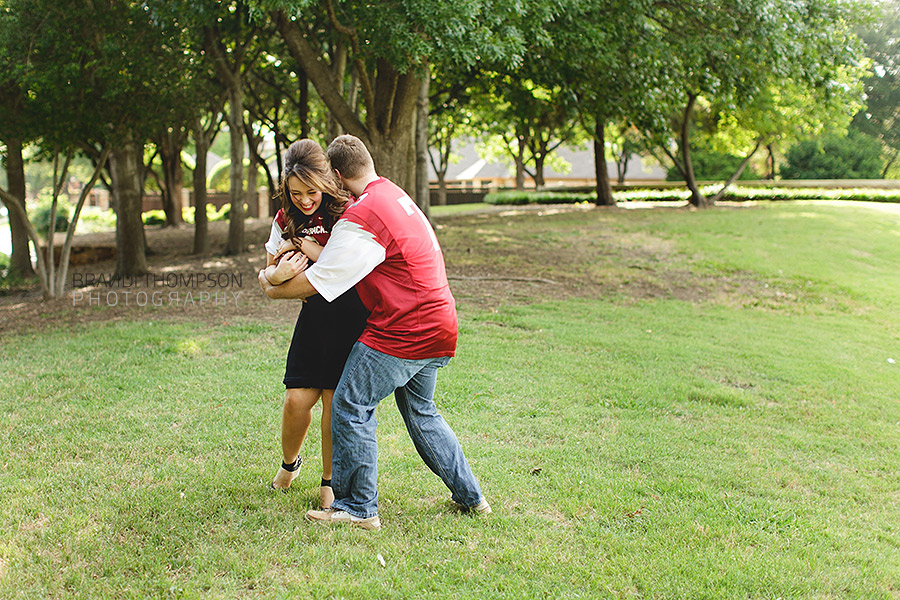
[385,246]
[314,228]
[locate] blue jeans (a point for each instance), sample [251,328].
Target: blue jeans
[370,376]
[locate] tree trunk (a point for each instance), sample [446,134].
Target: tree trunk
[604,191]
[697,198]
[423,195]
[889,163]
[339,66]
[721,193]
[442,189]
[20,261]
[622,166]
[235,243]
[389,100]
[255,162]
[303,110]
[770,163]
[170,155]
[520,164]
[539,158]
[201,224]
[391,159]
[252,195]
[126,164]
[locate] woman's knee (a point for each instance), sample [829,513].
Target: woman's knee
[301,398]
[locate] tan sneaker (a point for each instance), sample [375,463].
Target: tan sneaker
[330,516]
[482,508]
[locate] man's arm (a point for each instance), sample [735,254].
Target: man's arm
[295,288]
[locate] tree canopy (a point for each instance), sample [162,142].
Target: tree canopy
[736,74]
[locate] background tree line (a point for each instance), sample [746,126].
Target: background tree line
[134,87]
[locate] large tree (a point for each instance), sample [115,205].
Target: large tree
[389,47]
[605,54]
[62,109]
[881,117]
[530,119]
[229,41]
[730,53]
[16,129]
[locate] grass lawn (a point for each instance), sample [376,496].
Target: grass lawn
[731,431]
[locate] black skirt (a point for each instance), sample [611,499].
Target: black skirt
[323,337]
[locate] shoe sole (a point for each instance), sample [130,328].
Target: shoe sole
[374,525]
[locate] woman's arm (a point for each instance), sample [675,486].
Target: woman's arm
[297,287]
[288,266]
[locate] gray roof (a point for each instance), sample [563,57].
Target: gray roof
[472,165]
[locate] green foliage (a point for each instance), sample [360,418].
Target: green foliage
[154,217]
[739,194]
[733,194]
[40,215]
[93,219]
[158,217]
[224,213]
[515,197]
[710,165]
[853,156]
[880,117]
[4,263]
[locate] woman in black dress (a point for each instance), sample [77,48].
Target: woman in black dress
[311,202]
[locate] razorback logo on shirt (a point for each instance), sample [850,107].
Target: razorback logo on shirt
[314,227]
[315,230]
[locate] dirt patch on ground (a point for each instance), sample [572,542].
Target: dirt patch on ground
[494,257]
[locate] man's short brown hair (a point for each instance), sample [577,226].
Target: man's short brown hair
[349,155]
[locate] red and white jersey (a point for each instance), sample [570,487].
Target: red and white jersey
[314,228]
[385,246]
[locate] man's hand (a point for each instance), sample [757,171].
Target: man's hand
[264,281]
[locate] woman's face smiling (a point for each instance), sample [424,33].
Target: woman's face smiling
[304,197]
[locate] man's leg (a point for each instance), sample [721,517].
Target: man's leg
[433,438]
[369,376]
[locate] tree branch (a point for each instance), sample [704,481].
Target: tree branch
[311,62]
[16,206]
[737,173]
[364,82]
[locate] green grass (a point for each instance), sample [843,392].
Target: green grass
[457,209]
[649,448]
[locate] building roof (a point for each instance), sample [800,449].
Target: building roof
[472,165]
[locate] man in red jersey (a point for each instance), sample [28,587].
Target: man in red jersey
[384,245]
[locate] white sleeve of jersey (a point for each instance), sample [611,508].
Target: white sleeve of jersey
[350,254]
[274,239]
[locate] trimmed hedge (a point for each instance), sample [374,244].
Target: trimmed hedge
[158,216]
[518,198]
[734,194]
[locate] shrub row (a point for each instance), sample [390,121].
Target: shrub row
[158,217]
[515,197]
[735,194]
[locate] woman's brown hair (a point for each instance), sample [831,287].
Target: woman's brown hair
[306,160]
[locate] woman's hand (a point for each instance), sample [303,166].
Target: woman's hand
[288,267]
[285,247]
[310,248]
[307,246]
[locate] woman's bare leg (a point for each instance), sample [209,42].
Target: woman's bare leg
[295,419]
[326,494]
